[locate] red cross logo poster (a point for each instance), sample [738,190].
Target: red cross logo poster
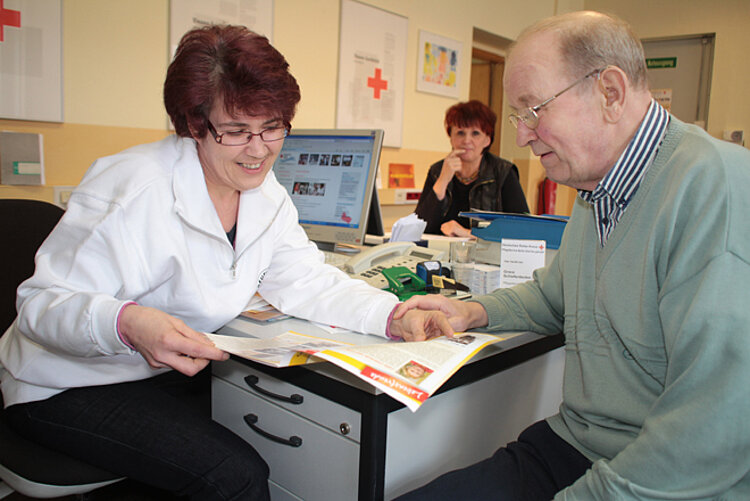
[30,60]
[372,64]
[8,17]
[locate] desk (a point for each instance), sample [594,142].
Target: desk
[357,442]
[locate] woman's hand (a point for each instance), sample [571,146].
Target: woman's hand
[461,315]
[453,228]
[165,341]
[451,165]
[418,325]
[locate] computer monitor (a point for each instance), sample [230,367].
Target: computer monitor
[330,176]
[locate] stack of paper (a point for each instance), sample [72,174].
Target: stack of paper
[485,278]
[408,229]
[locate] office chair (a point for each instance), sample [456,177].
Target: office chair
[27,467]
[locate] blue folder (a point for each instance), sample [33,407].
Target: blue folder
[519,226]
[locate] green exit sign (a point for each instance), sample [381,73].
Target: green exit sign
[661,62]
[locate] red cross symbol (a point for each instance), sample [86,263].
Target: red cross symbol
[377,83]
[8,18]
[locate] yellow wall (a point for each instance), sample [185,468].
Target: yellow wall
[115,55]
[112,79]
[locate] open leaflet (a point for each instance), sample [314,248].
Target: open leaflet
[408,372]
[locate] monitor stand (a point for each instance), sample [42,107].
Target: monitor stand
[338,248]
[326,246]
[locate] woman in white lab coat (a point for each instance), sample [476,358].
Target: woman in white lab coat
[160,243]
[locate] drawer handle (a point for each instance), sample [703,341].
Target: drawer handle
[252,420]
[252,382]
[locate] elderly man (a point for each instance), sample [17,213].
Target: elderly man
[650,286]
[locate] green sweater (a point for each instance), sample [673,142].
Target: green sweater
[656,389]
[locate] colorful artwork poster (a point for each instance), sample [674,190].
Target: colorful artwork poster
[439,65]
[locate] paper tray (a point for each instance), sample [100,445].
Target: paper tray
[519,226]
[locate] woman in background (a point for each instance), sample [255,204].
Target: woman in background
[470,177]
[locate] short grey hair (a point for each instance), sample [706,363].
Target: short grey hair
[591,40]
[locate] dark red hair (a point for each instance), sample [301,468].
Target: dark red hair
[229,63]
[472,114]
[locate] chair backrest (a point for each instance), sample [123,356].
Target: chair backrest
[24,224]
[29,468]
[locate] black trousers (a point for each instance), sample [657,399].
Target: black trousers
[157,431]
[533,468]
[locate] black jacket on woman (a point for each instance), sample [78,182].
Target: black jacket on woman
[496,188]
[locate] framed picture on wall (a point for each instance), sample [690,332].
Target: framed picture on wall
[31,60]
[439,63]
[185,15]
[372,65]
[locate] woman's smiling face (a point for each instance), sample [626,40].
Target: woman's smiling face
[243,167]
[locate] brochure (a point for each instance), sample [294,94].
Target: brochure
[409,372]
[260,311]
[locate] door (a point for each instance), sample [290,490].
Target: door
[487,86]
[680,67]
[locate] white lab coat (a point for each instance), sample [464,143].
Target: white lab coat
[141,227]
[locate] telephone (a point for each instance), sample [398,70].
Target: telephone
[368,264]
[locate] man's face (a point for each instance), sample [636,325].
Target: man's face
[571,136]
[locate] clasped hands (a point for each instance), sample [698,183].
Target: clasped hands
[433,315]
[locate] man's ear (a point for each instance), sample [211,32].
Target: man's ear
[613,84]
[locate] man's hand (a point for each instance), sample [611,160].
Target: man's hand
[165,341]
[461,315]
[418,325]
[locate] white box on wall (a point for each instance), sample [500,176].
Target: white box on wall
[21,158]
[406,196]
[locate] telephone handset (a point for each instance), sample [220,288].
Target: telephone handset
[368,264]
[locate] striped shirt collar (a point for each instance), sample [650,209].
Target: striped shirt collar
[611,196]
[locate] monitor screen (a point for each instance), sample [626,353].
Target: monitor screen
[330,176]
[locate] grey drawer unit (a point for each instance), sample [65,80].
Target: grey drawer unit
[317,456]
